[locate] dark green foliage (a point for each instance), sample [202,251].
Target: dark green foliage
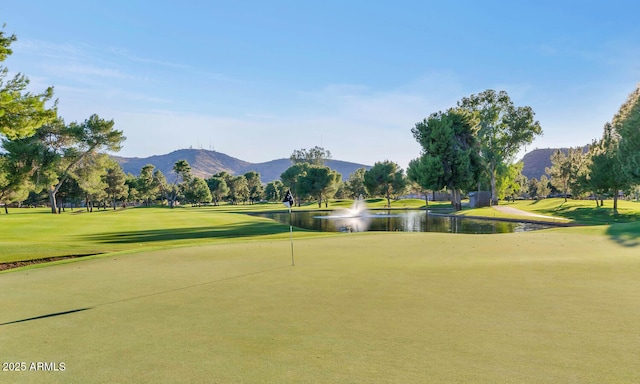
[315,156]
[626,124]
[274,191]
[449,153]
[21,112]
[503,129]
[238,189]
[355,184]
[255,186]
[115,180]
[197,191]
[385,179]
[218,188]
[318,182]
[290,177]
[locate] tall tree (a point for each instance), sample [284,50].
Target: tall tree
[274,191]
[219,189]
[314,156]
[255,186]
[319,182]
[197,191]
[133,194]
[543,187]
[147,185]
[449,153]
[608,171]
[89,177]
[385,179]
[626,126]
[418,177]
[290,177]
[17,166]
[510,180]
[161,182]
[238,189]
[56,149]
[532,188]
[504,129]
[565,169]
[342,192]
[14,186]
[182,171]
[355,184]
[115,180]
[21,112]
[424,172]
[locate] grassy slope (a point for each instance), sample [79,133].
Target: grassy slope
[32,234]
[35,233]
[552,306]
[583,211]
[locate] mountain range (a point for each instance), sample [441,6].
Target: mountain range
[205,163]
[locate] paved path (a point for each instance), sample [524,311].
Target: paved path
[516,211]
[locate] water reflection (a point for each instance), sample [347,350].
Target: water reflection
[405,221]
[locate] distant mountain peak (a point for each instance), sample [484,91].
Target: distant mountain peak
[536,161]
[205,163]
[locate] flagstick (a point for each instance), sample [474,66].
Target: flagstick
[291,238]
[288,202]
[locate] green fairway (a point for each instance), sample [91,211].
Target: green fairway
[209,295]
[33,233]
[30,234]
[551,306]
[582,211]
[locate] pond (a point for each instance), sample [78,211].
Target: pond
[403,221]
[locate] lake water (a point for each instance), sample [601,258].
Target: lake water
[404,221]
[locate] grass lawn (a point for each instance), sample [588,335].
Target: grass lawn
[30,234]
[202,295]
[552,306]
[582,211]
[35,233]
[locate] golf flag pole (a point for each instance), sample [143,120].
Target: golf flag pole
[288,202]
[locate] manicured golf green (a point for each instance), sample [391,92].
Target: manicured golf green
[33,233]
[558,305]
[30,234]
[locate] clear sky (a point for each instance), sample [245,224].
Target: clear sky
[258,79]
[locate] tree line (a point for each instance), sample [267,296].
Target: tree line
[610,166]
[472,145]
[468,147]
[40,152]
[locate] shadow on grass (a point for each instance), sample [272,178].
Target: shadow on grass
[45,316]
[627,234]
[589,215]
[192,233]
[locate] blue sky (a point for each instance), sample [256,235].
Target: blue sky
[259,79]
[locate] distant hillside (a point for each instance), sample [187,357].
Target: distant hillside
[203,163]
[537,160]
[206,163]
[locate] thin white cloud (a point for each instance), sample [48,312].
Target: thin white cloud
[75,69]
[352,121]
[48,49]
[125,53]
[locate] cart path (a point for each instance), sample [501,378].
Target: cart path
[516,211]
